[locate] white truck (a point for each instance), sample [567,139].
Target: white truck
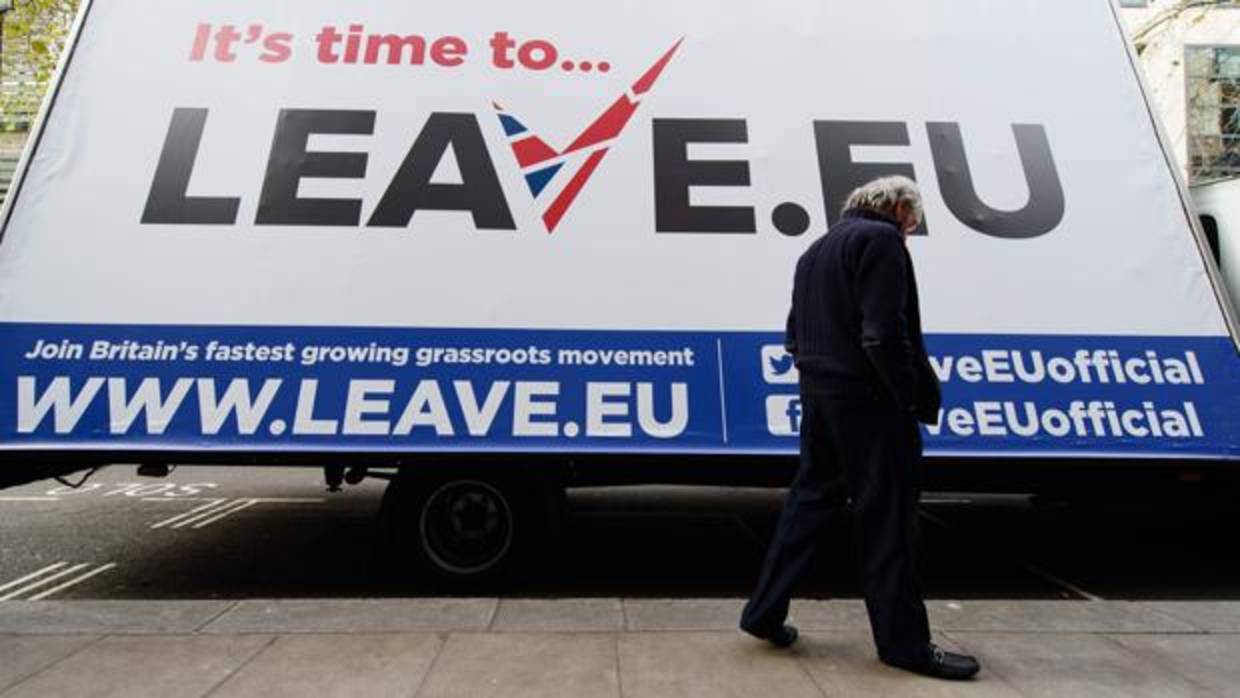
[1218,207]
[493,250]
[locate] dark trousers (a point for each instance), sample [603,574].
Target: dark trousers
[866,451]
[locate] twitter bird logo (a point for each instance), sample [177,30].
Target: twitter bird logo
[778,367]
[782,365]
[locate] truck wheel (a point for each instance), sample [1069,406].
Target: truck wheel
[466,528]
[460,531]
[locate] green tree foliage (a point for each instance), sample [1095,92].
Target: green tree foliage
[34,36]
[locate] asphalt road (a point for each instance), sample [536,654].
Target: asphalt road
[276,533]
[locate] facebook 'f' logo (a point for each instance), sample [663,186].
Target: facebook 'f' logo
[783,415]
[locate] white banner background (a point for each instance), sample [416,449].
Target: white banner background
[1122,262]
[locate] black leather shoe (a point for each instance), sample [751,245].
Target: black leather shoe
[934,661]
[784,637]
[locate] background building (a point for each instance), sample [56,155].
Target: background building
[1190,52]
[32,34]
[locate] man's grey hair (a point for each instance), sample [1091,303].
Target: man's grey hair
[885,195]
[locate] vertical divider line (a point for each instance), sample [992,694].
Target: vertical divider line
[723,398]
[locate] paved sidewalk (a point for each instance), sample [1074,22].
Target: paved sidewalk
[581,648]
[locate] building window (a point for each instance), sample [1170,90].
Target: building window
[1213,74]
[1134,3]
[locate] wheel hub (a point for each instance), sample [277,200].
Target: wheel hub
[466,527]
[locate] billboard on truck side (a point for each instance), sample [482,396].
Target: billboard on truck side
[265,226]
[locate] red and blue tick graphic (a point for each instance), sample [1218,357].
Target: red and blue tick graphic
[540,163]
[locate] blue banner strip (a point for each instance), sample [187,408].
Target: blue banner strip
[190,388]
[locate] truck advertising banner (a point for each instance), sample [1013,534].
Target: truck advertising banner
[387,226]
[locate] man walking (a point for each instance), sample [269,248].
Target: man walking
[866,382]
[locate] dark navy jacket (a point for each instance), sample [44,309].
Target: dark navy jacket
[855,324]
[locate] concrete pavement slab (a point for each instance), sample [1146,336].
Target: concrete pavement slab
[719,665]
[513,665]
[355,615]
[829,615]
[1052,617]
[998,616]
[26,655]
[139,666]
[107,617]
[844,663]
[587,647]
[1061,665]
[682,614]
[1210,661]
[1210,616]
[336,665]
[559,615]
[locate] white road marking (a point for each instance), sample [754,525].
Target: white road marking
[29,499]
[40,582]
[221,508]
[32,575]
[74,582]
[180,499]
[221,513]
[171,490]
[1038,571]
[209,505]
[65,489]
[208,512]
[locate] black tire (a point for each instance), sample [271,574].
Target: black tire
[462,530]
